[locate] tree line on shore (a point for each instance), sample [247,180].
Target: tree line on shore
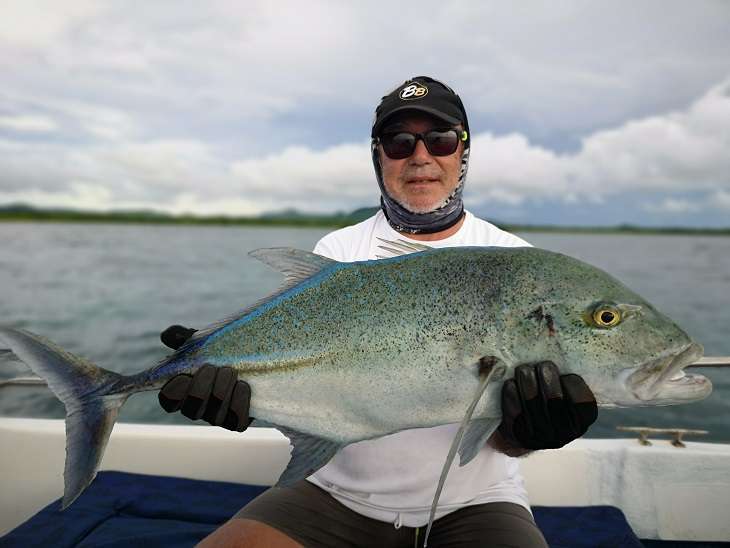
[22,212]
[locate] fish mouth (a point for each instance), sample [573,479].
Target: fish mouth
[663,379]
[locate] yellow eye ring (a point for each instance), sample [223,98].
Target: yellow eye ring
[606,316]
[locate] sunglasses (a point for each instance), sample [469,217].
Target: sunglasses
[439,142]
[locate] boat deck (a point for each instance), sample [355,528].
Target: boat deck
[666,493]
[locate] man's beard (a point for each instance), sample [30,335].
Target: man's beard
[420,210]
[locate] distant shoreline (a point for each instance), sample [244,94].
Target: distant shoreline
[296,219]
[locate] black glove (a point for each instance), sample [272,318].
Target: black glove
[543,410]
[212,393]
[176,335]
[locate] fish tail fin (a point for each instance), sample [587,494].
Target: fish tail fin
[87,391]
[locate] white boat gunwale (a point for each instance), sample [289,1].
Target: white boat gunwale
[666,493]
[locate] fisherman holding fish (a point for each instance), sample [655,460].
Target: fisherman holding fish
[377,492]
[380,355]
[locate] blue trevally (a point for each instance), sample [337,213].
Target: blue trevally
[351,351]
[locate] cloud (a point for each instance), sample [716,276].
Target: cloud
[674,205]
[76,195]
[28,123]
[720,200]
[40,23]
[336,177]
[678,151]
[241,109]
[716,201]
[223,65]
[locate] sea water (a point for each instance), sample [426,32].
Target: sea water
[105,291]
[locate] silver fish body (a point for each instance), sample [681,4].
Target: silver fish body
[353,351]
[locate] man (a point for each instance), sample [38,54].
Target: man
[377,493]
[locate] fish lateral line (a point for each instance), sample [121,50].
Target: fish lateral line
[256,367]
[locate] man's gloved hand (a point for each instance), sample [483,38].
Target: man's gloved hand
[542,409]
[212,393]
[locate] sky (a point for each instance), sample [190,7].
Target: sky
[584,112]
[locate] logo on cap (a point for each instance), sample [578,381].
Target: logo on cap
[413,91]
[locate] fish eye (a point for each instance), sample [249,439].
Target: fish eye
[606,316]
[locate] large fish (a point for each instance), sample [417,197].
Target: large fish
[352,351]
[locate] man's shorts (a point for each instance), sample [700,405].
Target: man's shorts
[312,517]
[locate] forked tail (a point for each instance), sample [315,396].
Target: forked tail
[85,390]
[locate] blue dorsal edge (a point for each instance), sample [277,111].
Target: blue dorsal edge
[296,265]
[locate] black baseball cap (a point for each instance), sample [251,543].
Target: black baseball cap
[424,94]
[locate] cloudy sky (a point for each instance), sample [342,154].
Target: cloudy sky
[581,112]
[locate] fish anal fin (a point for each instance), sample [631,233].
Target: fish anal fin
[309,454]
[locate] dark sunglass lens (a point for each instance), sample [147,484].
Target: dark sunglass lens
[442,142]
[398,145]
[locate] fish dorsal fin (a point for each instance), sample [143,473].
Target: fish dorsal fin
[295,264]
[488,368]
[402,247]
[476,435]
[309,454]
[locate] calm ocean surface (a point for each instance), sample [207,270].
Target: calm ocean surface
[106,291]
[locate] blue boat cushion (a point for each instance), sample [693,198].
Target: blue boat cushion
[121,509]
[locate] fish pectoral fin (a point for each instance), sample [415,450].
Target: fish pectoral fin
[476,435]
[490,368]
[309,454]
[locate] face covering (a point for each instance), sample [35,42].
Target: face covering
[402,220]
